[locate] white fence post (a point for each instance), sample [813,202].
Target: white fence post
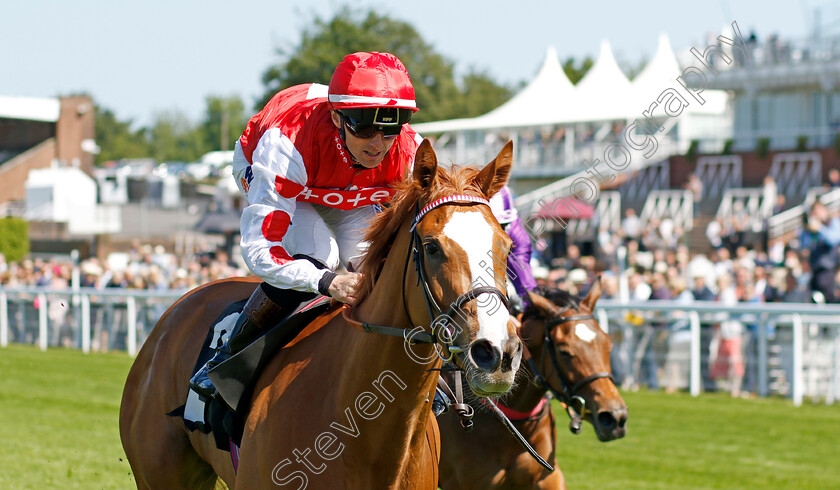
[42,321]
[694,378]
[131,321]
[834,389]
[796,390]
[85,323]
[762,357]
[4,319]
[604,321]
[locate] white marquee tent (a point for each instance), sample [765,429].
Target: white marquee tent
[604,94]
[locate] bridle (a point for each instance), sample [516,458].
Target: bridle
[443,327]
[441,322]
[575,404]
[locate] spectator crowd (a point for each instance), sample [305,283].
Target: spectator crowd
[143,267]
[746,268]
[656,264]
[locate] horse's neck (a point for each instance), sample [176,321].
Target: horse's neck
[526,395]
[410,384]
[385,306]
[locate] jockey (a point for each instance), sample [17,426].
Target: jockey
[314,165]
[519,257]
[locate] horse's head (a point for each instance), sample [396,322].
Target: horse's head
[572,354]
[440,240]
[461,255]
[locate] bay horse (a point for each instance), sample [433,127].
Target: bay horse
[577,370]
[344,406]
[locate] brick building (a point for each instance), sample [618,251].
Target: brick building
[34,132]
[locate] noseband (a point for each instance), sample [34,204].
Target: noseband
[566,394]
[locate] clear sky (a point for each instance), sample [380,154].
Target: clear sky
[143,57]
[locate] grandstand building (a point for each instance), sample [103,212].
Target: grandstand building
[34,133]
[785,93]
[745,112]
[47,150]
[557,127]
[786,120]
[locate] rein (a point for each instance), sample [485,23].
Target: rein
[466,412]
[566,395]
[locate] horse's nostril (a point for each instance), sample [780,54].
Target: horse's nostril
[509,355]
[485,355]
[622,418]
[606,420]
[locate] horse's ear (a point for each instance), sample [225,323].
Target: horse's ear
[593,294]
[495,175]
[546,308]
[425,164]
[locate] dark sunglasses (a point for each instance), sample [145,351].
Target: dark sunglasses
[365,123]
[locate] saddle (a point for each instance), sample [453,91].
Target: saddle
[235,377]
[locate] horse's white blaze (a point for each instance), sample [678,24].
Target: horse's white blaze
[475,236]
[584,333]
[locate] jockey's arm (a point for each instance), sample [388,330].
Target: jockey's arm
[278,176]
[519,259]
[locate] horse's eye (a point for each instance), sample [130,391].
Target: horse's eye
[564,351]
[432,249]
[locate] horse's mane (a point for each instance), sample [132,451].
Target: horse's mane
[559,297]
[385,225]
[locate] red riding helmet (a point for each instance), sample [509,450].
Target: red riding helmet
[371,80]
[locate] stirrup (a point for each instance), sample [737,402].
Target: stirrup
[201,382]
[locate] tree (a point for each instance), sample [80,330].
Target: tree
[632,69]
[481,94]
[574,72]
[324,45]
[224,120]
[174,138]
[115,138]
[14,239]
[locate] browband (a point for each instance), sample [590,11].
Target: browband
[457,198]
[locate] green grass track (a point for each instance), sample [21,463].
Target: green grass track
[59,409]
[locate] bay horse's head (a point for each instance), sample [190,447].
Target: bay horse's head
[571,354]
[456,283]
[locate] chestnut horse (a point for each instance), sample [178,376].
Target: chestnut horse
[343,405]
[488,457]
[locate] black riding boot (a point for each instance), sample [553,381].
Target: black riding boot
[258,315]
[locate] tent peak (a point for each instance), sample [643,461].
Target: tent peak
[605,72]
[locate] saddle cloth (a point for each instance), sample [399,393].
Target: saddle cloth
[214,415]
